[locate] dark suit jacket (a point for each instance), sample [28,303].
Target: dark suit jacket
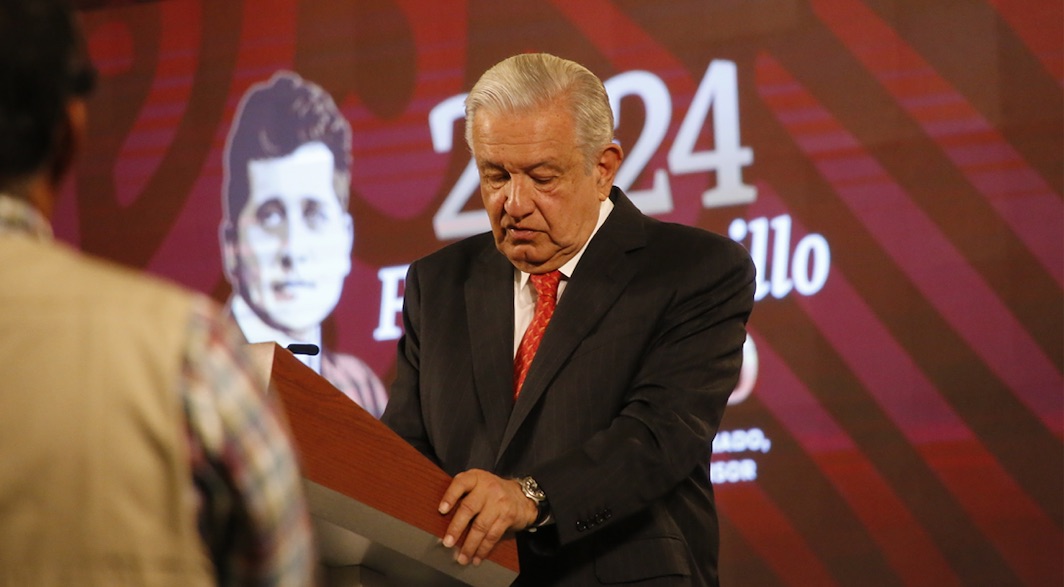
[620,405]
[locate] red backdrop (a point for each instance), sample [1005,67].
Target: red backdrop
[894,166]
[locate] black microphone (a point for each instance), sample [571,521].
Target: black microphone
[303,349]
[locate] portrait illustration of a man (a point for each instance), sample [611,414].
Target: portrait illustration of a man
[286,233]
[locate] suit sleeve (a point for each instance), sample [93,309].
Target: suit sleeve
[403,413]
[663,432]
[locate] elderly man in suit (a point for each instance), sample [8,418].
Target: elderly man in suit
[574,383]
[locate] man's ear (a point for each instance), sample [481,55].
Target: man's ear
[606,167]
[349,231]
[70,138]
[349,227]
[228,244]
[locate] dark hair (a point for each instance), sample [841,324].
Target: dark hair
[43,63]
[274,119]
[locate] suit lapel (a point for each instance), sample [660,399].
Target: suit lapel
[600,278]
[490,320]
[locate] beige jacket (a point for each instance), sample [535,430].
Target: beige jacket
[95,487]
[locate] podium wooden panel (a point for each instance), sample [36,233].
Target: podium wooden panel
[373,496]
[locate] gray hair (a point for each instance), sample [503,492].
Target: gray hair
[531,80]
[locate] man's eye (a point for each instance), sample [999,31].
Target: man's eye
[270,215]
[543,180]
[497,179]
[314,214]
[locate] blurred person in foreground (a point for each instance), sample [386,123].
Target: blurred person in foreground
[557,365]
[286,233]
[140,447]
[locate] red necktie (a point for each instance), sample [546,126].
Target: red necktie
[546,285]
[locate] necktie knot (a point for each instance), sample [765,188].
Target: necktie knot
[546,284]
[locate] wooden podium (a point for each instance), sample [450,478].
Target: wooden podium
[372,496]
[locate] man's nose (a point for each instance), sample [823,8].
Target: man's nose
[519,197]
[296,245]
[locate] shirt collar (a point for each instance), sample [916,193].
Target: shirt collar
[19,216]
[255,329]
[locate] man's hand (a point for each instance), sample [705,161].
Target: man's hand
[487,506]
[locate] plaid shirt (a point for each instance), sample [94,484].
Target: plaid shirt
[252,515]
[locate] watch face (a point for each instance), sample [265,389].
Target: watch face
[531,489]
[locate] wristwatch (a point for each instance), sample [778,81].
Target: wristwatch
[532,491]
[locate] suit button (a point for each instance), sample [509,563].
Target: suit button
[581,526]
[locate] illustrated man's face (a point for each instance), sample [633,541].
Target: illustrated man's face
[291,245]
[541,196]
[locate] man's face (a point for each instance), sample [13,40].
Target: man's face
[541,197]
[293,241]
